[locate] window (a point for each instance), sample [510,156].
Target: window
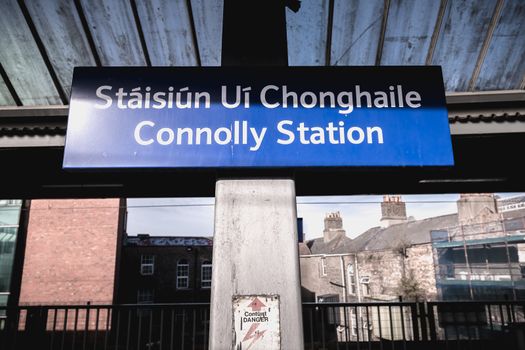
[9,217]
[183,274]
[206,274]
[323,267]
[353,319]
[147,264]
[145,296]
[351,279]
[365,285]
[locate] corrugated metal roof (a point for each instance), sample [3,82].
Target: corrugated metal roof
[32,130]
[479,44]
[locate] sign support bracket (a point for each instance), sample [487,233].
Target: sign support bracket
[255,248]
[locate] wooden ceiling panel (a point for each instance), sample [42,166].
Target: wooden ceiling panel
[407,37]
[460,41]
[114,30]
[60,29]
[207,16]
[306,33]
[6,99]
[504,65]
[21,58]
[168,32]
[356,32]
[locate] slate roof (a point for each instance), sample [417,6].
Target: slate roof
[412,232]
[339,245]
[304,249]
[168,241]
[381,238]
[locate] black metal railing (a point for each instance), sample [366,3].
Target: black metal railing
[130,327]
[411,325]
[397,325]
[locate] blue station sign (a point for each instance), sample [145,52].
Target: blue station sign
[195,117]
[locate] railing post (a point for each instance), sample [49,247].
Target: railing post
[423,319]
[415,324]
[35,325]
[431,321]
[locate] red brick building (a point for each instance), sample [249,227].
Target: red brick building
[71,252]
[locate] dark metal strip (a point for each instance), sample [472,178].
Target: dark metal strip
[329,30]
[437,29]
[486,43]
[194,33]
[381,41]
[10,86]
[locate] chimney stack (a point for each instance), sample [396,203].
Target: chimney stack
[393,210]
[477,208]
[333,227]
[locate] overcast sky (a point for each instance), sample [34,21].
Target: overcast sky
[194,216]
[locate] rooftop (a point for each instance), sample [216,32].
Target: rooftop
[167,241]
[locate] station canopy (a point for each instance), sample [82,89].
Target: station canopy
[480,46]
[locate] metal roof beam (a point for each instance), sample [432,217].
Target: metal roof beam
[469,113]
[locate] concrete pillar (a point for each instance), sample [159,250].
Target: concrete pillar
[255,252]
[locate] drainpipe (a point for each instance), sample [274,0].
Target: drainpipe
[357,284]
[343,279]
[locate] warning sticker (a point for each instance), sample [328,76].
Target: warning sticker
[256,322]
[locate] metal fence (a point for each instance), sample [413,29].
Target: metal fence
[399,325]
[410,325]
[130,327]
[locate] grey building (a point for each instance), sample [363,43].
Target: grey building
[475,253]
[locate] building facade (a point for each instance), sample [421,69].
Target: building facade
[10,211]
[71,252]
[477,253]
[165,270]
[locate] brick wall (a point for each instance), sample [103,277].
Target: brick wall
[70,252]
